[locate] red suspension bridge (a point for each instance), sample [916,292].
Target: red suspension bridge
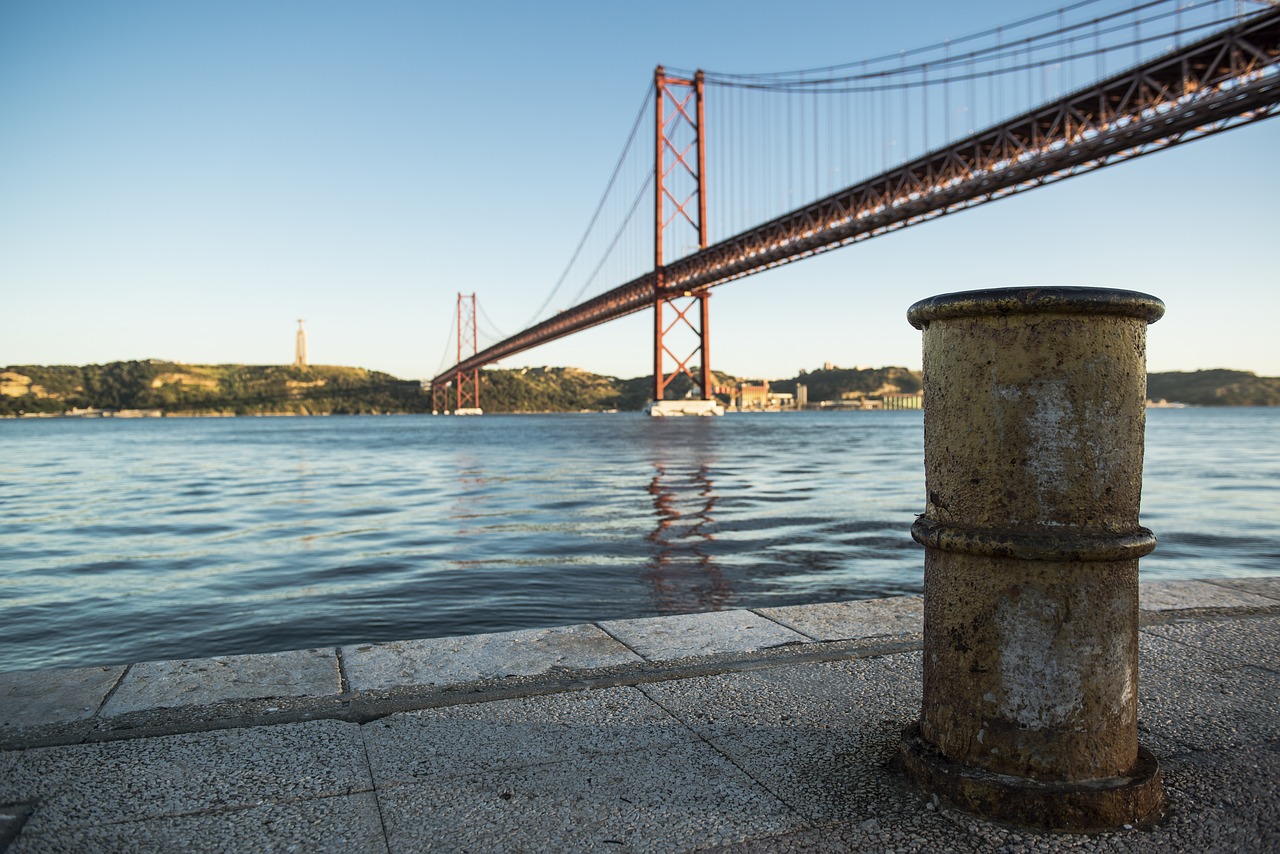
[906,121]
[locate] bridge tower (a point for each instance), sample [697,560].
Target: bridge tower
[461,393]
[681,319]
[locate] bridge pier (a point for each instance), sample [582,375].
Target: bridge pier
[1034,417]
[669,408]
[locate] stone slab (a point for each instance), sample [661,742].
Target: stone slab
[1246,640]
[336,825]
[42,697]
[1190,698]
[1184,595]
[1219,800]
[8,759]
[436,744]
[88,785]
[682,797]
[815,735]
[867,618]
[443,662]
[687,635]
[1268,586]
[209,681]
[1219,803]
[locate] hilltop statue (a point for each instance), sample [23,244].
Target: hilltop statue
[300,350]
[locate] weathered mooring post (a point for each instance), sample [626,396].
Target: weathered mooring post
[1034,404]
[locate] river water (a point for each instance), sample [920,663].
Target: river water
[132,540]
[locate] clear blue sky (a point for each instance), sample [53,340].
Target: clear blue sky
[183,180]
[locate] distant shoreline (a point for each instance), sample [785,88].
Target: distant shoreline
[153,388]
[131,416]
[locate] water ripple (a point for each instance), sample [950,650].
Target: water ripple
[137,540]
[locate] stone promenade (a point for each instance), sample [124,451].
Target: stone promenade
[765,730]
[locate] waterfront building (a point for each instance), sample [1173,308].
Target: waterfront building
[903,401]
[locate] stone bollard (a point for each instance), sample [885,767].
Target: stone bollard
[1034,404]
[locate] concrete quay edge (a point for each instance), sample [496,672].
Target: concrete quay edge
[364,682]
[750,744]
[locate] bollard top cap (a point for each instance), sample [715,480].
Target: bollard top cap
[1047,300]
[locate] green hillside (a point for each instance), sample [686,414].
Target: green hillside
[173,388]
[838,383]
[179,389]
[573,390]
[547,390]
[1214,388]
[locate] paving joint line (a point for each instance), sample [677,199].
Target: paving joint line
[812,638]
[1219,582]
[619,640]
[344,684]
[807,823]
[373,787]
[115,686]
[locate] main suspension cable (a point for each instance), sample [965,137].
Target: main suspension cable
[599,207]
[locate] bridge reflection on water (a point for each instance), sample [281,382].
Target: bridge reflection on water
[682,572]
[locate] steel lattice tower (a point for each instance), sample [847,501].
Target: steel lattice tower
[462,389]
[680,154]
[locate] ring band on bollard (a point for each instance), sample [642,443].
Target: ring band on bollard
[1034,545]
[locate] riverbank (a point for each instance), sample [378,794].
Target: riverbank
[751,730]
[145,388]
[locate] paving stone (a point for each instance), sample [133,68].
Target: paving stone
[95,784]
[1247,640]
[1193,699]
[8,759]
[471,658]
[1218,803]
[43,697]
[1221,801]
[685,635]
[1181,595]
[206,681]
[867,618]
[888,814]
[345,823]
[1210,811]
[681,797]
[482,737]
[1268,586]
[815,735]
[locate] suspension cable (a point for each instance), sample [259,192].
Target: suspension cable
[644,189]
[795,87]
[599,207]
[725,77]
[444,357]
[493,327]
[1065,35]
